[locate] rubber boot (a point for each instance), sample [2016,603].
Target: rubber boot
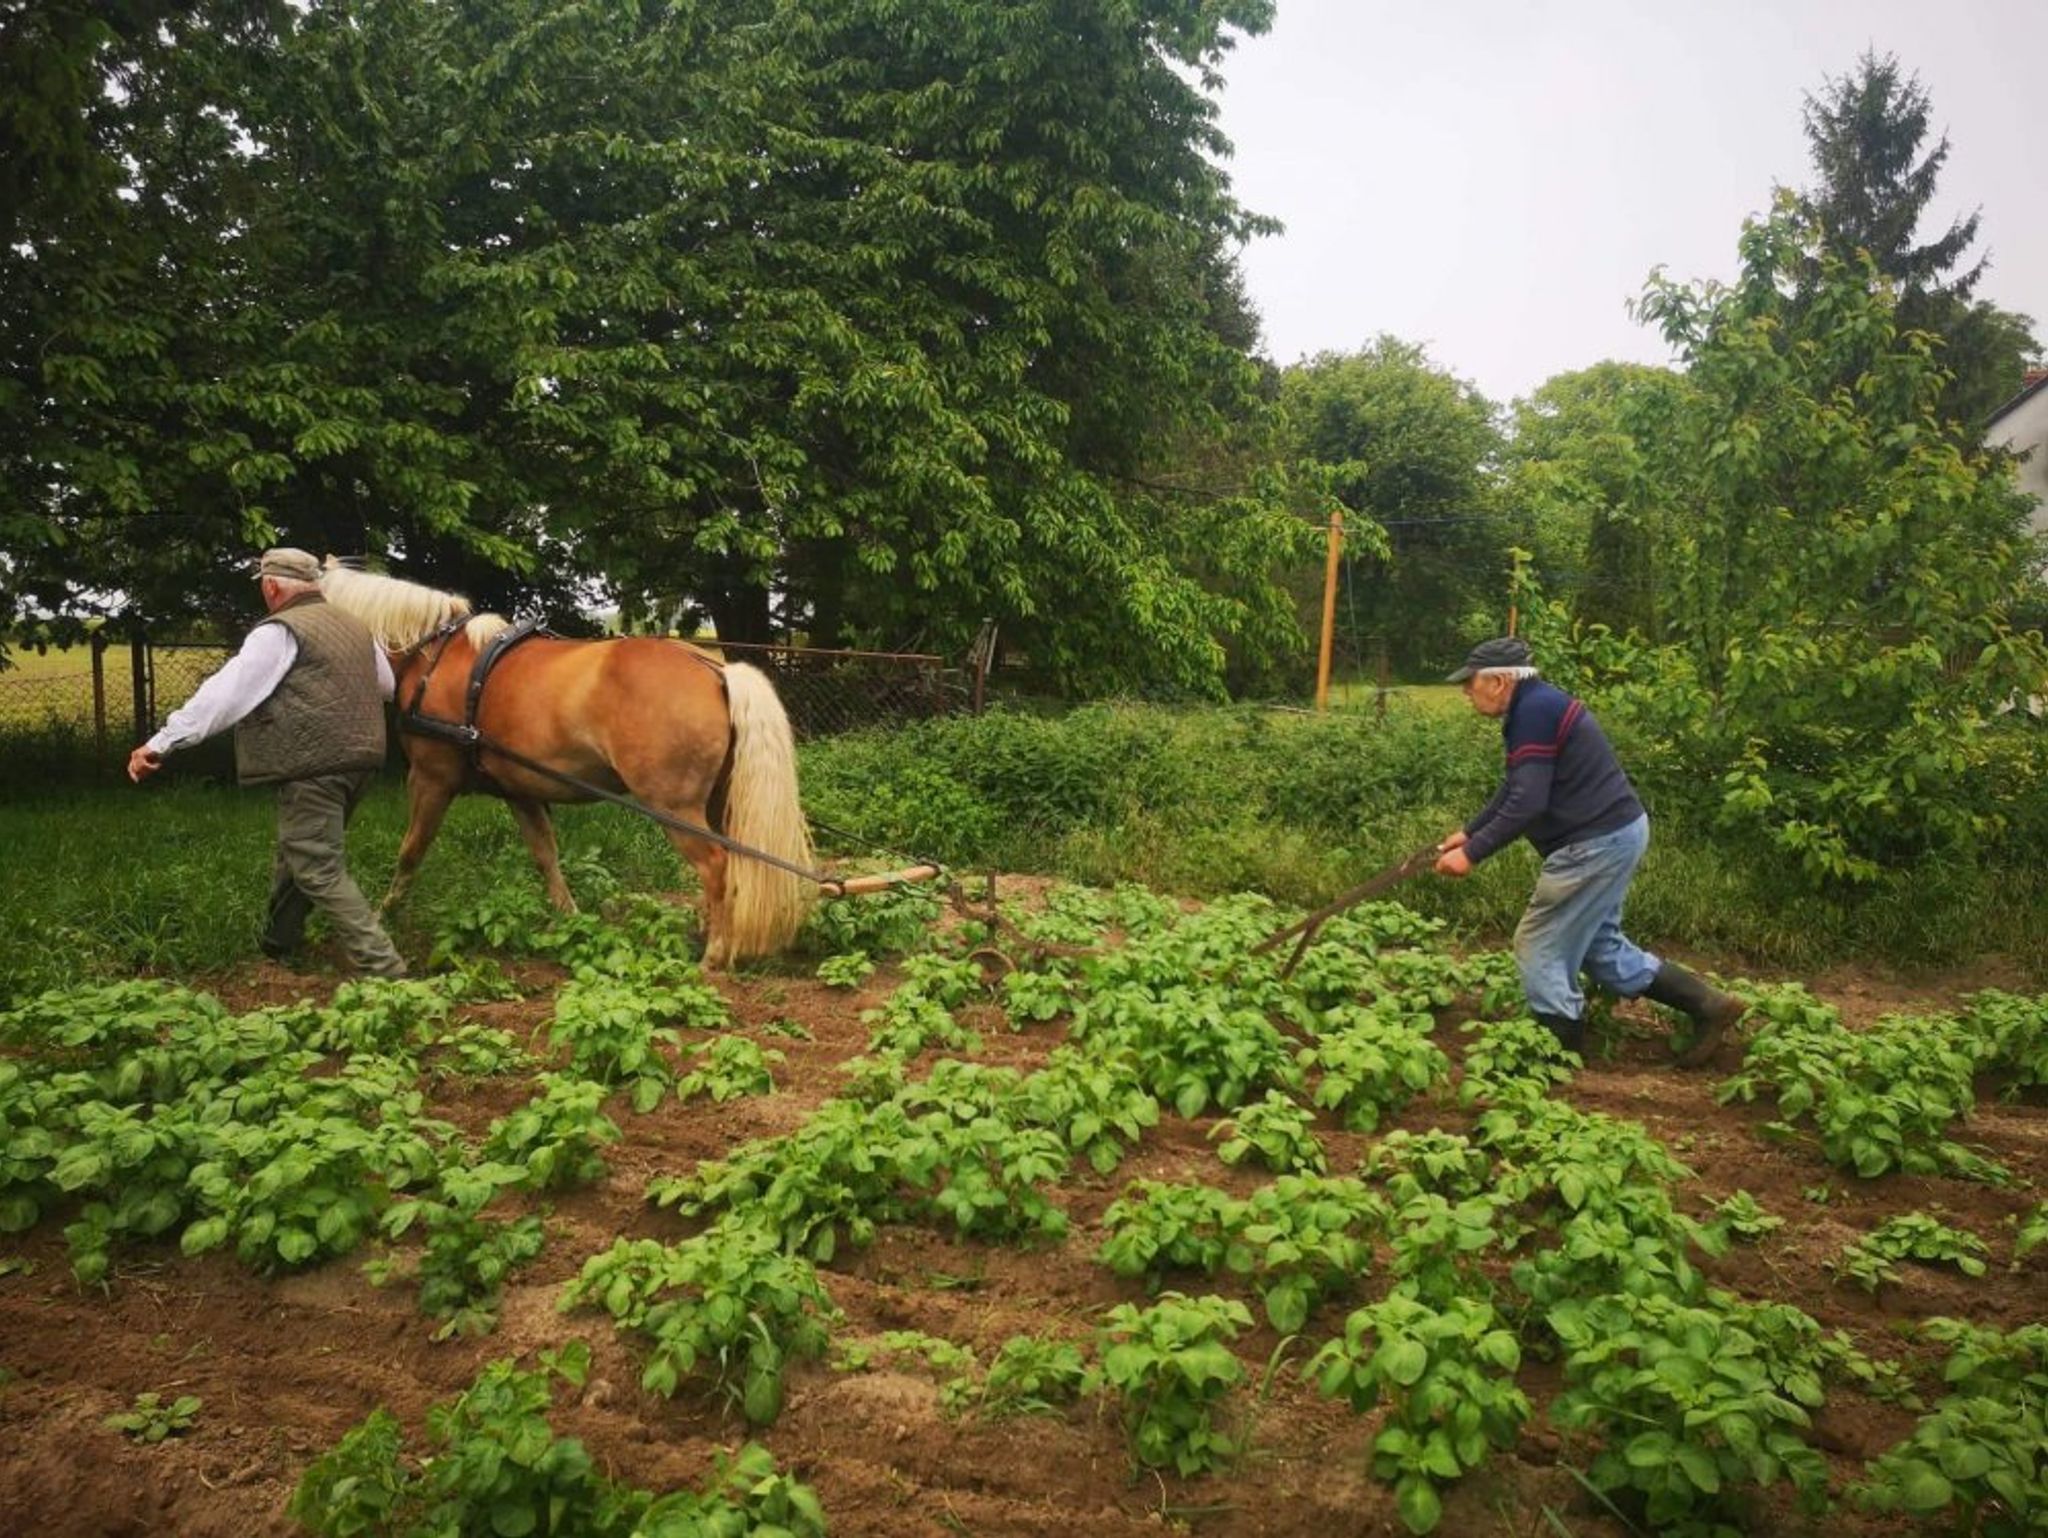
[1712,1012]
[1571,1034]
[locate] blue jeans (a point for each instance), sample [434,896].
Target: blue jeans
[1573,923]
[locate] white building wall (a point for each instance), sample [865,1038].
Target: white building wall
[2022,430]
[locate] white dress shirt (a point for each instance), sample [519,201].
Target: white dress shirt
[245,681]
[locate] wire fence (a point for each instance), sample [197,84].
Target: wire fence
[85,707]
[46,701]
[89,704]
[827,692]
[103,695]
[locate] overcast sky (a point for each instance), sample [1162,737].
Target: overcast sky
[1496,178]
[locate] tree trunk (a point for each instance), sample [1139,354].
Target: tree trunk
[741,614]
[827,586]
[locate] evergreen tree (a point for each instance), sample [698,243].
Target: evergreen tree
[1866,131]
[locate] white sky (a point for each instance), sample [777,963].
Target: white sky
[1496,178]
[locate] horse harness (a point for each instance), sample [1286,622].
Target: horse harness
[466,734]
[463,733]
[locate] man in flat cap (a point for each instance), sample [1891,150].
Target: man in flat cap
[305,695]
[1566,793]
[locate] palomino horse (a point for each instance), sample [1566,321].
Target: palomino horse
[654,719]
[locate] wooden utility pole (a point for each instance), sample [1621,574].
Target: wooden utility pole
[1514,586]
[1336,548]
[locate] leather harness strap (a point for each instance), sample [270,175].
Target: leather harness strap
[463,733]
[488,658]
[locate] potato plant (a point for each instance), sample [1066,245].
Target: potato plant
[1168,1367]
[1879,1100]
[150,1420]
[557,1137]
[1688,1411]
[728,1068]
[1435,1247]
[1978,1461]
[1870,1261]
[1033,1375]
[729,1305]
[494,1465]
[1411,1164]
[1275,1131]
[1370,1063]
[467,1256]
[1447,1375]
[1298,1240]
[613,1035]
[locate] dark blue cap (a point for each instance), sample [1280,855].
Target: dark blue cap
[1508,651]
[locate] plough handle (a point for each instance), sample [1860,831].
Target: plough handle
[856,886]
[1392,876]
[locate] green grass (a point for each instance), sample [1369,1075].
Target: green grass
[171,878]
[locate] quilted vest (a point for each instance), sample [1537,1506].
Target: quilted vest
[326,716]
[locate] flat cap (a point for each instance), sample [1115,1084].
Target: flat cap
[292,565]
[1506,651]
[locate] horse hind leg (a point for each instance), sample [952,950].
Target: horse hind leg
[428,798]
[538,829]
[708,860]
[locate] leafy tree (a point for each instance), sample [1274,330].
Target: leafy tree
[108,276]
[1866,131]
[1416,449]
[1587,478]
[873,317]
[1837,600]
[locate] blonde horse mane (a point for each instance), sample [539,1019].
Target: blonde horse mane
[399,613]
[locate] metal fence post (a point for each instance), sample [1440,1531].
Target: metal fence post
[99,695]
[983,655]
[138,671]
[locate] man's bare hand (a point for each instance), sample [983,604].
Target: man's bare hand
[1452,863]
[1455,839]
[144,762]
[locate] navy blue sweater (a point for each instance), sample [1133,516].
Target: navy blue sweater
[1563,781]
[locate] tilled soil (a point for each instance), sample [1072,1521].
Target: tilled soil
[286,1365]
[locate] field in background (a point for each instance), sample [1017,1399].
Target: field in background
[59,661]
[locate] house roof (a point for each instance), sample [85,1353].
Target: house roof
[2031,384]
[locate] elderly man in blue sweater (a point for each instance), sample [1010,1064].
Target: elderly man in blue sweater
[1566,793]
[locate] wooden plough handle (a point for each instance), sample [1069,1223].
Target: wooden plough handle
[856,886]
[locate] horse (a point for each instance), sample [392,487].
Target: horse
[702,740]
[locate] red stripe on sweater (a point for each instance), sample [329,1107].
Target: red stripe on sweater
[1572,712]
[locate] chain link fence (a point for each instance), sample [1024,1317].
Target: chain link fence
[94,701]
[84,707]
[827,692]
[56,698]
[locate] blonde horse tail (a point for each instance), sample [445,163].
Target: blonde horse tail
[764,906]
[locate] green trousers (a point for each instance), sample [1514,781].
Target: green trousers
[311,871]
